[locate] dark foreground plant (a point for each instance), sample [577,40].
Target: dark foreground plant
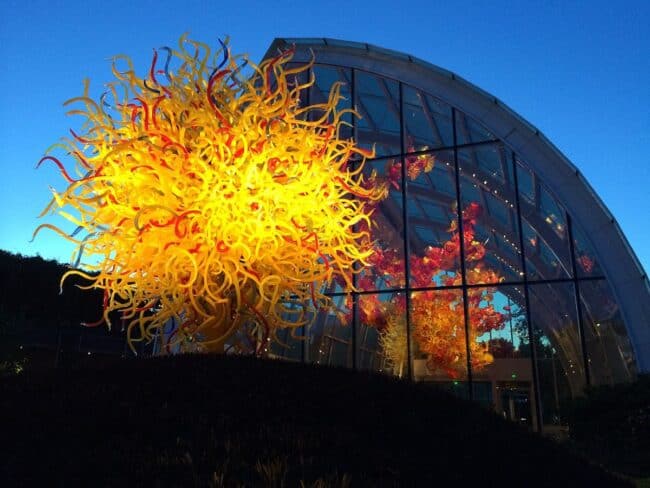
[611,425]
[232,421]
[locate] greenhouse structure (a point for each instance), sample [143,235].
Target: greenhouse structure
[542,297]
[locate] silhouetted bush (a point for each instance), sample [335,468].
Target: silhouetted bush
[611,424]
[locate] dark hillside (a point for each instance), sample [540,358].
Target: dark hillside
[30,293]
[36,321]
[232,421]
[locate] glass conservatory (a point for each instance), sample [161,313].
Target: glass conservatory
[541,297]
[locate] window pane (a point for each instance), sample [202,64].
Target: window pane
[585,256]
[526,184]
[542,260]
[427,121]
[500,351]
[433,228]
[490,223]
[325,78]
[377,101]
[557,345]
[288,345]
[609,352]
[468,130]
[544,227]
[386,266]
[438,338]
[381,336]
[330,337]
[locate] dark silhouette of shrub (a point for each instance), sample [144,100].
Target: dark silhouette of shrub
[611,424]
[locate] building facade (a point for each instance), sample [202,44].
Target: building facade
[542,295]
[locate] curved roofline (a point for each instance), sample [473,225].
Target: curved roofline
[624,272]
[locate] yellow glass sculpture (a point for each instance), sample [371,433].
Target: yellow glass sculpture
[217,201]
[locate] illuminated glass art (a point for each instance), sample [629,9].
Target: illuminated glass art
[213,200]
[437,316]
[347,205]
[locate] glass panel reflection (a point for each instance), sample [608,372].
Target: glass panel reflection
[377,102]
[288,345]
[546,257]
[427,121]
[491,162]
[330,336]
[381,335]
[500,350]
[526,183]
[438,338]
[431,208]
[490,224]
[557,346]
[544,227]
[609,353]
[585,256]
[386,265]
[468,130]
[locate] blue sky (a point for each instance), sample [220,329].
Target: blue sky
[579,71]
